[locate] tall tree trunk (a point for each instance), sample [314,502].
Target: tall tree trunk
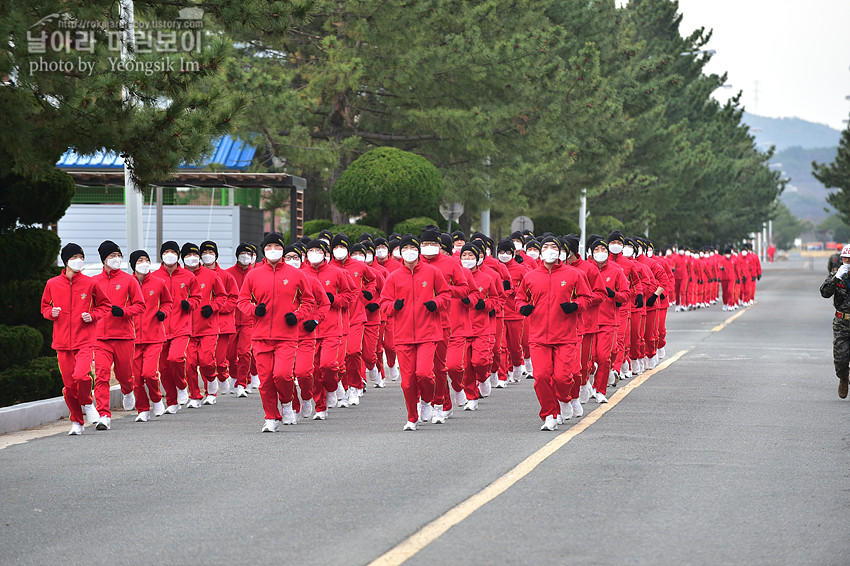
[385,220]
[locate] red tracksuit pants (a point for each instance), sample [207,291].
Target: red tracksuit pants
[276,366]
[586,360]
[371,333]
[621,343]
[727,286]
[354,357]
[304,368]
[456,361]
[326,362]
[239,354]
[511,347]
[681,288]
[200,355]
[441,376]
[172,367]
[146,375]
[526,349]
[416,363]
[74,366]
[554,366]
[106,354]
[650,333]
[662,328]
[499,339]
[222,364]
[603,356]
[388,342]
[636,345]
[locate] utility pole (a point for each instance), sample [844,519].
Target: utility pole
[132,194]
[582,222]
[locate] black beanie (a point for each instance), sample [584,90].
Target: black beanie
[292,248]
[430,233]
[341,240]
[70,250]
[304,240]
[616,235]
[409,239]
[325,234]
[369,246]
[358,248]
[135,256]
[572,243]
[169,245]
[319,245]
[478,236]
[209,245]
[590,243]
[528,233]
[106,248]
[532,243]
[517,236]
[458,235]
[506,245]
[552,239]
[446,242]
[244,247]
[365,236]
[393,245]
[272,238]
[189,248]
[470,247]
[394,237]
[381,242]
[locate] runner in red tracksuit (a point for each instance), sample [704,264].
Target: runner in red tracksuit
[653,301]
[75,303]
[200,355]
[413,295]
[186,296]
[239,352]
[618,254]
[384,258]
[372,326]
[280,297]
[504,276]
[532,250]
[115,333]
[226,316]
[664,302]
[551,296]
[462,348]
[150,337]
[680,276]
[510,355]
[340,290]
[376,372]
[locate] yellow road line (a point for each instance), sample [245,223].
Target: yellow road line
[436,528]
[728,321]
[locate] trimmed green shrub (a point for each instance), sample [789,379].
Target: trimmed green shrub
[38,379]
[18,345]
[39,247]
[414,225]
[603,225]
[311,227]
[558,225]
[39,202]
[352,230]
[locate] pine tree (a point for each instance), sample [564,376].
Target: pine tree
[836,175]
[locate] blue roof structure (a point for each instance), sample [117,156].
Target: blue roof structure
[228,151]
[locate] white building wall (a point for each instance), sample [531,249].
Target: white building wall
[90,224]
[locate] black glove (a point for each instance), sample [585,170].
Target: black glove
[506,285]
[526,310]
[465,300]
[260,310]
[330,297]
[117,311]
[430,305]
[291,319]
[699,281]
[610,292]
[754,279]
[372,307]
[479,306]
[639,300]
[160,316]
[398,304]
[367,295]
[518,258]
[310,325]
[758,276]
[618,304]
[206,311]
[184,304]
[737,281]
[662,296]
[651,300]
[492,313]
[722,268]
[569,307]
[690,279]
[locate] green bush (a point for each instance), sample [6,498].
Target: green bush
[18,345]
[558,225]
[352,230]
[414,225]
[603,225]
[39,248]
[40,202]
[311,227]
[38,379]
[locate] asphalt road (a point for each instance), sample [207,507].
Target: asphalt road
[737,453]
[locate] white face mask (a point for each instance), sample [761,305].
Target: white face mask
[650,253]
[325,240]
[358,257]
[244,259]
[208,259]
[273,255]
[410,255]
[669,253]
[728,256]
[517,245]
[192,261]
[143,267]
[533,253]
[340,253]
[628,251]
[744,253]
[480,262]
[615,248]
[468,263]
[397,253]
[381,253]
[369,258]
[550,255]
[562,256]
[600,256]
[169,258]
[76,264]
[702,254]
[114,263]
[315,257]
[430,249]
[296,263]
[505,258]
[681,252]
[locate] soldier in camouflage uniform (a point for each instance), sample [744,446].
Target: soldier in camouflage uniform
[833,263]
[837,286]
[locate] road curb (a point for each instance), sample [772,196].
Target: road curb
[36,413]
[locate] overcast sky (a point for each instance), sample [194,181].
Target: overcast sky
[798,51]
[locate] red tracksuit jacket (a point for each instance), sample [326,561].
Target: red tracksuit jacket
[338,283]
[548,324]
[320,309]
[590,317]
[459,284]
[149,330]
[123,290]
[238,273]
[516,272]
[227,314]
[415,324]
[612,275]
[212,294]
[364,280]
[182,286]
[75,296]
[283,289]
[488,289]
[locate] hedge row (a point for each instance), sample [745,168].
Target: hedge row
[38,379]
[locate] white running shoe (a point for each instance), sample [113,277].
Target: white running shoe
[395,373]
[494,378]
[342,401]
[550,424]
[193,404]
[183,396]
[210,400]
[91,414]
[501,384]
[340,391]
[662,353]
[447,414]
[270,425]
[224,386]
[653,361]
[308,407]
[129,401]
[438,417]
[158,409]
[528,368]
[460,398]
[425,411]
[484,388]
[330,399]
[255,383]
[578,410]
[289,416]
[76,429]
[409,425]
[172,409]
[559,419]
[212,387]
[471,405]
[600,398]
[612,378]
[241,391]
[320,415]
[143,417]
[353,396]
[105,423]
[584,393]
[566,410]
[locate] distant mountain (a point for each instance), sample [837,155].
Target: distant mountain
[804,195]
[791,132]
